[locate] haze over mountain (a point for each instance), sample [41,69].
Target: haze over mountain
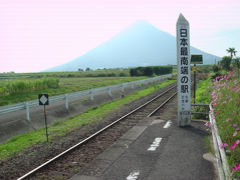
[141,44]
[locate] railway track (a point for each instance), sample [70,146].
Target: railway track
[69,162]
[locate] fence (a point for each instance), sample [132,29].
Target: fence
[223,167]
[27,105]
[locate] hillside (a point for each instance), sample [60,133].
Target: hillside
[141,44]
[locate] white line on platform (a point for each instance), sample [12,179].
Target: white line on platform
[155,144]
[168,124]
[133,175]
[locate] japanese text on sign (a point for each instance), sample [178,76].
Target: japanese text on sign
[184,78]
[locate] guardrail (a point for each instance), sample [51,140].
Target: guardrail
[28,104]
[223,167]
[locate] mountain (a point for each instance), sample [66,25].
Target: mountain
[141,44]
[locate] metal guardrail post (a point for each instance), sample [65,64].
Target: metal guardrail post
[66,102]
[110,92]
[122,90]
[91,95]
[27,111]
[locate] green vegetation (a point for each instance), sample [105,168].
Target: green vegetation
[21,86]
[225,98]
[232,52]
[151,70]
[202,97]
[208,144]
[61,127]
[14,91]
[88,73]
[228,63]
[202,92]
[225,63]
[222,90]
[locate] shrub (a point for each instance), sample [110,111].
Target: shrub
[151,70]
[28,86]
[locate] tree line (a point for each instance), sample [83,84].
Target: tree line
[150,70]
[228,62]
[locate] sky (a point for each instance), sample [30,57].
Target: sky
[38,34]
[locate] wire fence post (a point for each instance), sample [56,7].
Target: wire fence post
[27,111]
[133,86]
[91,95]
[66,102]
[122,88]
[110,92]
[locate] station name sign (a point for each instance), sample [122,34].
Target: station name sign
[184,72]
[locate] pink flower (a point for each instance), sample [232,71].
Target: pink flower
[236,167]
[234,145]
[228,119]
[211,111]
[235,125]
[224,102]
[235,133]
[223,145]
[230,99]
[208,124]
[237,129]
[235,88]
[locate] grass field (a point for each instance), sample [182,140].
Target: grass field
[93,73]
[61,128]
[65,85]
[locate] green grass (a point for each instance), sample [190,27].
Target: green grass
[202,97]
[61,127]
[208,144]
[66,85]
[202,92]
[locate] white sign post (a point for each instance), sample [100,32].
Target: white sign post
[184,72]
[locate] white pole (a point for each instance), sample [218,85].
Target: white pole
[27,111]
[122,89]
[92,97]
[110,92]
[184,72]
[66,102]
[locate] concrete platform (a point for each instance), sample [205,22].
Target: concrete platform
[155,149]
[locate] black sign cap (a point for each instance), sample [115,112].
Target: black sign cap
[43,99]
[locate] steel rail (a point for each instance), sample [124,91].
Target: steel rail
[165,102]
[100,131]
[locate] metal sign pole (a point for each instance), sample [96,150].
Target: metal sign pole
[45,117]
[43,100]
[195,81]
